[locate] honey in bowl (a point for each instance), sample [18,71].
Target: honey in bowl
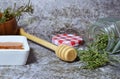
[11,45]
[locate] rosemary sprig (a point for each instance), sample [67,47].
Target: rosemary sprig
[10,13]
[92,58]
[96,54]
[101,41]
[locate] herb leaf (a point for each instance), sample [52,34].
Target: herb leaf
[92,58]
[101,41]
[10,13]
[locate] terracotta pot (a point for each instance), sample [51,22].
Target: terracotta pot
[9,27]
[0,15]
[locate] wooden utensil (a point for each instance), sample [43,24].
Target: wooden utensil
[64,52]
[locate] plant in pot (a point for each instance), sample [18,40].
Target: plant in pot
[10,16]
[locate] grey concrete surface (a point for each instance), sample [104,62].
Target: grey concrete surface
[59,16]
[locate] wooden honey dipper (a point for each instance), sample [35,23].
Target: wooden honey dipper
[64,52]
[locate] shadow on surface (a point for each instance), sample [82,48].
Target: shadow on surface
[31,57]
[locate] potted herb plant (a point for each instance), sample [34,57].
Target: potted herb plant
[10,16]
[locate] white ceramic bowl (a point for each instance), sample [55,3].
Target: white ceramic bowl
[14,56]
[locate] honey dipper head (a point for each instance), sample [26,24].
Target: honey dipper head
[66,53]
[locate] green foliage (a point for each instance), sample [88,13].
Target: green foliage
[101,41]
[92,58]
[10,13]
[96,55]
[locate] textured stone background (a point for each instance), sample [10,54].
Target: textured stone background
[59,16]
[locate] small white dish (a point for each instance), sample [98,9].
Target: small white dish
[14,56]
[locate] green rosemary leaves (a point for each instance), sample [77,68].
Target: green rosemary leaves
[92,58]
[101,41]
[95,56]
[15,12]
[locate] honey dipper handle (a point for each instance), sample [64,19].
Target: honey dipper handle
[38,40]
